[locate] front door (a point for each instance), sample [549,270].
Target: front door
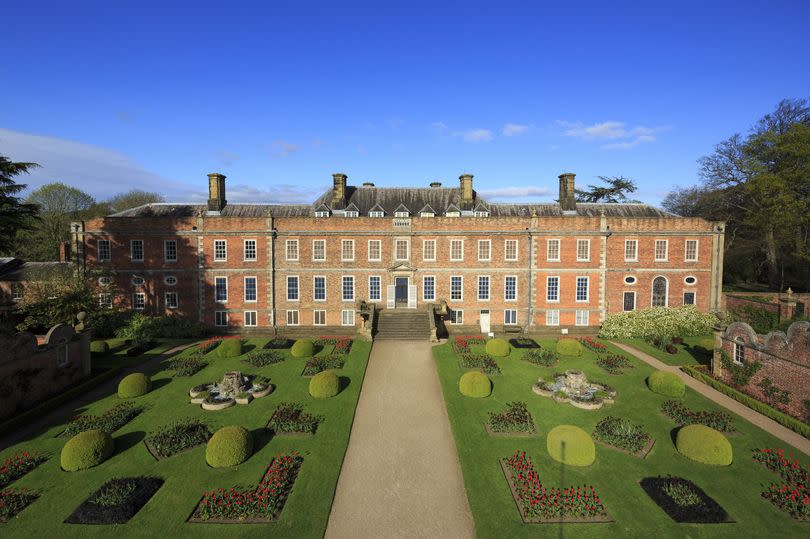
[483,318]
[401,292]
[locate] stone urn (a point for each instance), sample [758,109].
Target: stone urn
[575,381]
[232,383]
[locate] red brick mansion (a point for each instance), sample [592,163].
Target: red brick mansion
[537,266]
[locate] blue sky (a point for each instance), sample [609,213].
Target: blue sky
[277,96]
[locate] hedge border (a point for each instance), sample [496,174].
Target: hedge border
[758,406]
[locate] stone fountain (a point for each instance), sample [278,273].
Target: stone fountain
[234,388]
[574,388]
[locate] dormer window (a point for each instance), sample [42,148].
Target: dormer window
[453,214]
[427,214]
[321,214]
[481,213]
[401,214]
[376,214]
[402,211]
[351,214]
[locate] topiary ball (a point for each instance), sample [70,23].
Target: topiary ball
[324,385]
[569,347]
[228,447]
[666,383]
[134,385]
[497,348]
[86,449]
[704,444]
[303,348]
[475,384]
[571,445]
[229,348]
[99,348]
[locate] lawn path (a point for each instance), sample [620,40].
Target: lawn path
[64,411]
[401,476]
[765,423]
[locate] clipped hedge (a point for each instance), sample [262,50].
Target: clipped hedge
[99,348]
[780,417]
[569,347]
[704,444]
[229,446]
[497,348]
[571,445]
[475,384]
[324,385]
[683,321]
[707,344]
[303,348]
[229,348]
[134,385]
[142,327]
[86,449]
[666,383]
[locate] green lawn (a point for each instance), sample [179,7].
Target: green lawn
[614,474]
[187,475]
[118,353]
[689,353]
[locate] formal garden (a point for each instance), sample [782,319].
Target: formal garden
[237,436]
[574,436]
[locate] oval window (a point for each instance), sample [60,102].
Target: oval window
[105,281]
[690,279]
[630,280]
[137,281]
[171,280]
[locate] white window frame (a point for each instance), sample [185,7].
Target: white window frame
[488,244]
[666,291]
[489,287]
[297,288]
[376,213]
[176,300]
[378,245]
[407,250]
[587,289]
[343,281]
[635,280]
[132,244]
[226,289]
[250,314]
[139,296]
[506,287]
[549,243]
[582,317]
[323,244]
[166,244]
[425,243]
[105,300]
[402,214]
[459,258]
[288,246]
[694,297]
[686,251]
[343,317]
[292,317]
[322,213]
[624,293]
[553,317]
[457,316]
[17,291]
[315,288]
[507,313]
[587,244]
[666,251]
[343,245]
[315,317]
[461,287]
[548,289]
[107,250]
[245,256]
[506,256]
[628,243]
[351,213]
[739,353]
[219,317]
[224,257]
[255,288]
[379,288]
[425,288]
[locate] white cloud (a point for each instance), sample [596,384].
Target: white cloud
[629,144]
[517,192]
[625,137]
[439,126]
[282,149]
[475,135]
[511,130]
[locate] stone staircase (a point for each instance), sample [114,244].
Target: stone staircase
[403,325]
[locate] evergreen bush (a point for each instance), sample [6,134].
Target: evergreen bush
[497,348]
[666,383]
[86,449]
[475,384]
[704,444]
[685,321]
[303,348]
[134,385]
[569,347]
[229,446]
[571,445]
[324,385]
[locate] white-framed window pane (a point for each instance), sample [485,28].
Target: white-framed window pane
[348,288]
[688,298]
[582,317]
[17,291]
[456,286]
[104,253]
[292,288]
[221,289]
[170,250]
[136,250]
[583,250]
[552,289]
[429,288]
[456,250]
[660,292]
[250,249]
[292,318]
[347,250]
[251,293]
[429,250]
[484,249]
[171,300]
[319,288]
[582,288]
[319,250]
[374,250]
[105,300]
[374,288]
[629,301]
[691,251]
[661,248]
[739,353]
[220,318]
[553,251]
[510,317]
[510,288]
[401,249]
[483,287]
[457,316]
[292,250]
[319,317]
[510,250]
[138,301]
[553,317]
[347,317]
[250,318]
[220,250]
[630,250]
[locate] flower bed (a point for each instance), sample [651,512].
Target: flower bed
[678,412]
[116,501]
[523,342]
[540,504]
[624,435]
[462,344]
[176,438]
[317,364]
[17,465]
[683,501]
[592,345]
[290,418]
[542,357]
[212,342]
[516,419]
[792,495]
[12,501]
[341,343]
[263,357]
[110,421]
[613,363]
[262,503]
[483,362]
[187,365]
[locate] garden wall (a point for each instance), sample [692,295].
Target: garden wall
[31,372]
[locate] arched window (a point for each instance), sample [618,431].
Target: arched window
[659,292]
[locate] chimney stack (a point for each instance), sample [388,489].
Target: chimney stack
[216,192]
[435,185]
[466,184]
[339,190]
[567,200]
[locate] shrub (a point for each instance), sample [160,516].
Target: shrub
[543,357]
[172,439]
[99,348]
[144,328]
[707,344]
[229,348]
[105,322]
[229,446]
[666,383]
[475,384]
[322,363]
[324,385]
[704,444]
[483,362]
[684,416]
[86,449]
[303,348]
[569,347]
[760,319]
[571,445]
[134,385]
[621,433]
[683,321]
[289,417]
[263,357]
[497,348]
[516,418]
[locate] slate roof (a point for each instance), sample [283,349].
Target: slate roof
[390,198]
[15,269]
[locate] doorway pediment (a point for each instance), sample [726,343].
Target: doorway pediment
[402,268]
